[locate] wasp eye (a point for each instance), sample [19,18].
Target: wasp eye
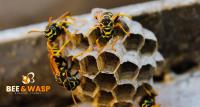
[47,30]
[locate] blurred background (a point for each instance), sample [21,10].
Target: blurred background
[23,12]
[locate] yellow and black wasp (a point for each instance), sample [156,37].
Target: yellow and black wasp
[61,67]
[149,99]
[107,25]
[106,28]
[58,29]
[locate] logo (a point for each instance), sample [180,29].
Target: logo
[29,78]
[28,88]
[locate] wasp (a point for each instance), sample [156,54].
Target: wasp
[107,24]
[62,70]
[106,27]
[149,99]
[56,30]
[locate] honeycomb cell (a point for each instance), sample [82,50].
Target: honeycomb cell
[93,36]
[81,42]
[127,71]
[104,98]
[88,86]
[89,65]
[124,92]
[133,42]
[84,98]
[123,104]
[108,61]
[105,81]
[149,46]
[143,90]
[146,72]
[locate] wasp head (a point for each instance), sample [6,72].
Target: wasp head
[106,21]
[52,31]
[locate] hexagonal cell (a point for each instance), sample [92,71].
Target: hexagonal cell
[104,98]
[133,42]
[141,91]
[124,92]
[127,71]
[123,104]
[119,31]
[149,46]
[87,98]
[89,65]
[81,41]
[88,86]
[105,81]
[146,72]
[108,61]
[94,35]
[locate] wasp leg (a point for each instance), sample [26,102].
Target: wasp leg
[53,65]
[34,30]
[124,15]
[114,42]
[66,14]
[126,33]
[62,47]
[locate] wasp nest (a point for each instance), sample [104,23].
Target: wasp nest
[112,78]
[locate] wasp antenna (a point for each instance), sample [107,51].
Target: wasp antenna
[64,16]
[50,20]
[35,31]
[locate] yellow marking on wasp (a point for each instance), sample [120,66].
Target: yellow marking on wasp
[49,33]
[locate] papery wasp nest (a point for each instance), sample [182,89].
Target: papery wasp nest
[116,58]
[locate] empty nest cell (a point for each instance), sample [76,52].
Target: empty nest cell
[80,41]
[124,92]
[89,65]
[122,104]
[133,42]
[108,61]
[127,71]
[105,81]
[94,35]
[149,46]
[104,98]
[88,86]
[146,72]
